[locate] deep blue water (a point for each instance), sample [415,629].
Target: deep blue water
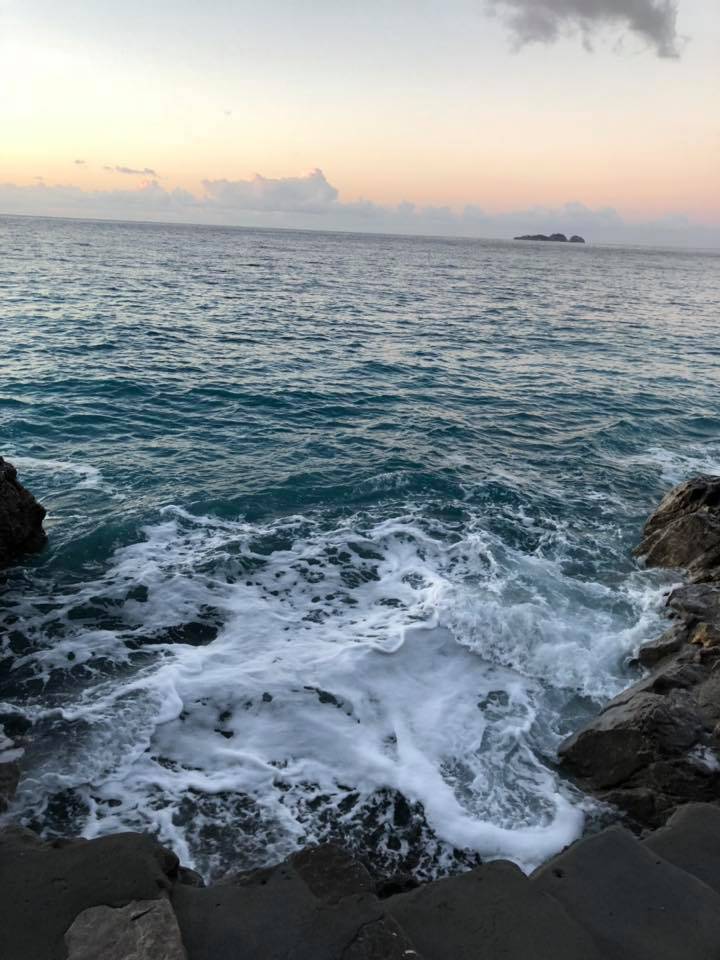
[339,526]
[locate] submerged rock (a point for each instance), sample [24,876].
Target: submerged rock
[657,745]
[21,517]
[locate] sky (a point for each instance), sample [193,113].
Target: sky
[468,117]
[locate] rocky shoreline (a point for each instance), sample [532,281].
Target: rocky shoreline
[653,753]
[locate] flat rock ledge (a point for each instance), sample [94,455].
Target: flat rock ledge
[609,896]
[657,745]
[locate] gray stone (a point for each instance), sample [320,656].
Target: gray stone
[634,904]
[493,911]
[318,905]
[142,930]
[673,640]
[631,733]
[46,885]
[691,841]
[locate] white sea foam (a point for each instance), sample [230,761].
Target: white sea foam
[88,476]
[347,661]
[678,465]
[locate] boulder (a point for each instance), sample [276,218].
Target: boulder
[142,930]
[45,886]
[320,904]
[684,531]
[21,517]
[633,903]
[492,911]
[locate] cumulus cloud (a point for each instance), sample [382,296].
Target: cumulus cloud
[312,202]
[544,21]
[309,194]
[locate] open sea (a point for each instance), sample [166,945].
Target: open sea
[340,528]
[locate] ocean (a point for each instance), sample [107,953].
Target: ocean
[340,528]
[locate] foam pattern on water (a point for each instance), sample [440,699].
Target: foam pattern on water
[327,673]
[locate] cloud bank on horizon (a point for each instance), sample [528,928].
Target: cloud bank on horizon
[545,21]
[312,202]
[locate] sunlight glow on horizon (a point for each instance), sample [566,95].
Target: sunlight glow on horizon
[468,122]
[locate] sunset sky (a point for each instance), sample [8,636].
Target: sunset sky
[169,109]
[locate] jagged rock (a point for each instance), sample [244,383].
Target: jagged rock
[656,745]
[650,654]
[142,930]
[684,531]
[21,517]
[45,886]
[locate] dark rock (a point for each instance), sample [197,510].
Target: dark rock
[555,237]
[21,517]
[673,640]
[633,903]
[576,239]
[700,493]
[630,733]
[46,885]
[9,780]
[318,905]
[142,930]
[696,603]
[684,531]
[691,841]
[492,911]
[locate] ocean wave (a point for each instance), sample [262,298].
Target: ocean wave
[329,667]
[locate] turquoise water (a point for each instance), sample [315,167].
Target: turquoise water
[339,527]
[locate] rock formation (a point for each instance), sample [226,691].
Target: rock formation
[657,745]
[554,237]
[21,517]
[606,897]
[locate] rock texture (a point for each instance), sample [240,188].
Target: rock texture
[143,930]
[657,745]
[607,897]
[21,517]
[44,886]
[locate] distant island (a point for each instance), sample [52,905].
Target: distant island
[556,237]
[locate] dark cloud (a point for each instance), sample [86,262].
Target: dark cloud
[79,163]
[544,21]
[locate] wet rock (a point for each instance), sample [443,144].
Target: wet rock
[684,531]
[21,517]
[655,747]
[630,734]
[673,640]
[142,930]
[9,780]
